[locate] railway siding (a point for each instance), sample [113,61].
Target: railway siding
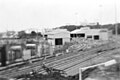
[55,63]
[106,56]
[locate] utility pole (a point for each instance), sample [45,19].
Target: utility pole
[76,14]
[116,26]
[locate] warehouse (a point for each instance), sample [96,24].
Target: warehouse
[94,34]
[58,37]
[79,32]
[97,34]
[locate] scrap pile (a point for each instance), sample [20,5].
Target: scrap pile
[83,44]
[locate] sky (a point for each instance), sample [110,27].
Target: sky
[40,14]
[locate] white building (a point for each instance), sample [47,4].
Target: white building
[58,37]
[79,32]
[94,34]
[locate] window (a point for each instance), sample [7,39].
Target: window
[71,35]
[89,36]
[81,35]
[96,37]
[75,35]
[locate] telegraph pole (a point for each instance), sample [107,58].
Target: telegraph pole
[116,26]
[76,14]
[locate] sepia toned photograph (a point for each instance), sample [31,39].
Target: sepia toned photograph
[59,40]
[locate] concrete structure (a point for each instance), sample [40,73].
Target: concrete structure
[94,34]
[14,53]
[26,54]
[101,67]
[58,37]
[33,49]
[39,50]
[44,49]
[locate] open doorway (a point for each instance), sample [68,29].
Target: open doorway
[58,41]
[96,37]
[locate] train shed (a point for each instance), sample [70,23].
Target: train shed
[79,32]
[93,34]
[58,37]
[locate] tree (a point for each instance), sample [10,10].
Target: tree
[33,34]
[39,34]
[21,34]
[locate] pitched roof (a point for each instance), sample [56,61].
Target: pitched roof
[57,31]
[81,30]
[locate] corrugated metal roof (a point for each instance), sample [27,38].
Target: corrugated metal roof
[81,30]
[76,31]
[88,30]
[57,31]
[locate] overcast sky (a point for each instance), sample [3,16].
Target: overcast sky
[25,14]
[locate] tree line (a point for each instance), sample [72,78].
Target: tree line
[98,26]
[33,34]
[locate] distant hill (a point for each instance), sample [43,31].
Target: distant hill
[109,26]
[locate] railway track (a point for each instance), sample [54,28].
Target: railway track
[82,61]
[29,68]
[34,66]
[85,62]
[55,64]
[74,69]
[94,57]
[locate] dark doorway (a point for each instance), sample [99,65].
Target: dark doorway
[96,37]
[81,35]
[3,55]
[58,41]
[73,35]
[46,37]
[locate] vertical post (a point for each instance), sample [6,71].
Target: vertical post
[3,55]
[116,26]
[76,19]
[100,13]
[116,29]
[80,74]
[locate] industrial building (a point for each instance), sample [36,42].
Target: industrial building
[58,37]
[94,34]
[79,32]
